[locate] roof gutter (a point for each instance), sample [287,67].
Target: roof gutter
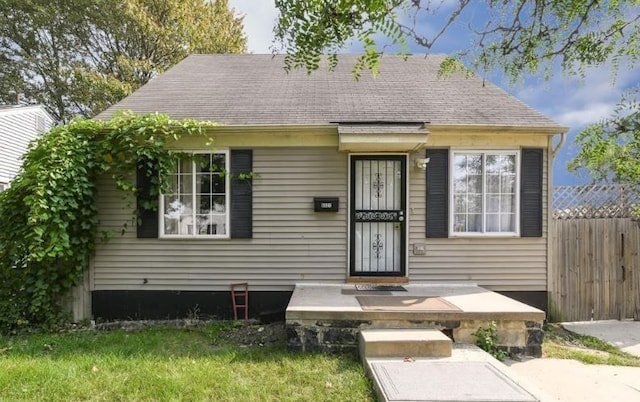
[487,129]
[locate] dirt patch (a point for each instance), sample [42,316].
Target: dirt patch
[253,333]
[274,334]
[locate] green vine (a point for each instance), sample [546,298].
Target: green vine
[48,216]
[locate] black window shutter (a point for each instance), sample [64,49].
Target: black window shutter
[241,194]
[437,195]
[531,192]
[147,227]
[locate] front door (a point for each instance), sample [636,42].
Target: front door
[378,217]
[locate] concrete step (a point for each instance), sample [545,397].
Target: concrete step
[403,342]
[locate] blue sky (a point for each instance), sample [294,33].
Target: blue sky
[571,101]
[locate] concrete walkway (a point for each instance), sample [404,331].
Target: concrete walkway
[472,375]
[570,380]
[573,381]
[624,334]
[469,375]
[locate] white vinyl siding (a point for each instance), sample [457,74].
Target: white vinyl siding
[498,263]
[291,243]
[18,127]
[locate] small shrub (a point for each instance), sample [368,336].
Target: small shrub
[487,340]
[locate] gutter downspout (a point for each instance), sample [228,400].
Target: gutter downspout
[563,138]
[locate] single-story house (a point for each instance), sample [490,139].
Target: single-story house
[408,177]
[19,125]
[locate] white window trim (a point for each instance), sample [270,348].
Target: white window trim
[452,155]
[227,235]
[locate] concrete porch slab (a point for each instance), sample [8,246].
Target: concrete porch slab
[338,301]
[328,317]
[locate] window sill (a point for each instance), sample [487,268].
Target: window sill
[484,235]
[198,238]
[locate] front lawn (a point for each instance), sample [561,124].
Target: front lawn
[170,364]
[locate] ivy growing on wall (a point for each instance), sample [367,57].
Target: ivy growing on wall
[48,216]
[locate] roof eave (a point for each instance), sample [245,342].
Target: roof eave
[487,129]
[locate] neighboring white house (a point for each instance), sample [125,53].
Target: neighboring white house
[19,125]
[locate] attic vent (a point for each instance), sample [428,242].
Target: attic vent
[40,124]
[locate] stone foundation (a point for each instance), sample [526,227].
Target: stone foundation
[515,337]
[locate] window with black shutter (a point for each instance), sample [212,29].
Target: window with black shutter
[476,193]
[209,195]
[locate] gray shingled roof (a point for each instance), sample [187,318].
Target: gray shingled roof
[254,89]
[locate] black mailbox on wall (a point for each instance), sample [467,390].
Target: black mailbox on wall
[325,204]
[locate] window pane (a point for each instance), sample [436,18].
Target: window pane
[508,183]
[507,223]
[172,184]
[203,205]
[202,162]
[210,225]
[218,184]
[459,204]
[474,223]
[493,222]
[185,183]
[170,226]
[474,184]
[218,163]
[219,204]
[186,165]
[493,166]
[493,183]
[172,212]
[203,183]
[493,203]
[500,163]
[507,203]
[474,163]
[474,204]
[467,173]
[459,223]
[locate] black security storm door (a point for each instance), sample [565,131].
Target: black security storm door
[378,215]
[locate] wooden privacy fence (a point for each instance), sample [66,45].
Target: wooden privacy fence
[595,267]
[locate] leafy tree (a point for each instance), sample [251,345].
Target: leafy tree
[516,37]
[77,57]
[610,149]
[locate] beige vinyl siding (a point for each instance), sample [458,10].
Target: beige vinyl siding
[17,129]
[291,242]
[498,263]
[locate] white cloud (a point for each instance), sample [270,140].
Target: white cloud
[259,20]
[576,102]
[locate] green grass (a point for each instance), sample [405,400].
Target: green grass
[170,364]
[562,344]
